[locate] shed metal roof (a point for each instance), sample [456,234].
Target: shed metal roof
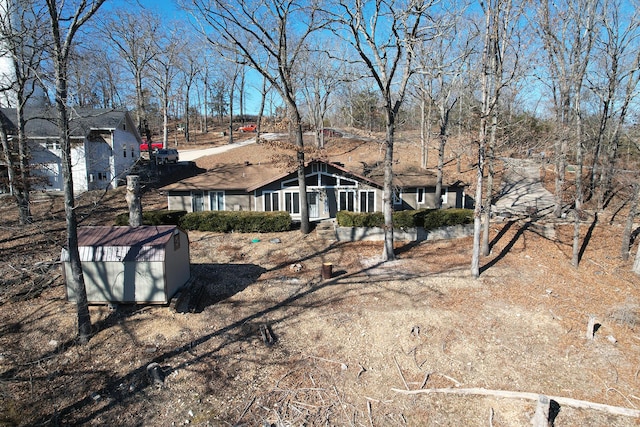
[119,244]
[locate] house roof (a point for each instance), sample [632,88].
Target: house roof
[230,177]
[41,122]
[249,177]
[103,243]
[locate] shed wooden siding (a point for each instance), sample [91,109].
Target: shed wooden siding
[145,264]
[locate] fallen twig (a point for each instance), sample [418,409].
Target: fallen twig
[583,404]
[400,372]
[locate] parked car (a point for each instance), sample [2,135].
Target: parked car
[154,146]
[247,128]
[166,155]
[331,133]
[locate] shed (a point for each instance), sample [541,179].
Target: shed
[146,264]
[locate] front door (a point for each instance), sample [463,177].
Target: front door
[312,202]
[197,201]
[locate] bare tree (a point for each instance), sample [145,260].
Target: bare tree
[384,37]
[132,35]
[499,22]
[442,61]
[164,69]
[568,35]
[270,36]
[64,21]
[23,46]
[614,82]
[191,65]
[318,87]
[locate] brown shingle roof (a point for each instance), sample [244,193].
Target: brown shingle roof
[229,177]
[144,243]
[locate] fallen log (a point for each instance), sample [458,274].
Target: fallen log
[574,403]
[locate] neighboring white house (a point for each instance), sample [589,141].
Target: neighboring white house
[146,264]
[105,144]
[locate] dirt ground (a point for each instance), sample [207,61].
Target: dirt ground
[272,343]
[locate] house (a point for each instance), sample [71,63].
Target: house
[105,144]
[146,264]
[330,188]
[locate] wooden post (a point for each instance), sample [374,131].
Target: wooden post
[541,416]
[591,327]
[133,200]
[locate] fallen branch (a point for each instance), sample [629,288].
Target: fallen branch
[400,372]
[574,403]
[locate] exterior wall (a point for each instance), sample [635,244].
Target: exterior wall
[48,165]
[79,167]
[454,198]
[233,201]
[98,156]
[177,267]
[122,282]
[123,142]
[179,201]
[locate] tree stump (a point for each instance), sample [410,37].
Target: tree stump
[133,200]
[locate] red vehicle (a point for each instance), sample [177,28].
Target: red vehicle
[247,128]
[154,146]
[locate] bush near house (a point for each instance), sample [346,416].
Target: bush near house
[240,222]
[427,218]
[159,217]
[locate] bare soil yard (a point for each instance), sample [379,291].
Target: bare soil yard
[341,347]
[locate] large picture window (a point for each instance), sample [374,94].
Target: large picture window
[271,202]
[367,201]
[216,200]
[347,201]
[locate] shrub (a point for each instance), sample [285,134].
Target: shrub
[427,218]
[241,222]
[159,217]
[357,219]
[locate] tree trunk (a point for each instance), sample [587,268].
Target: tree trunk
[387,192]
[60,53]
[486,224]
[477,213]
[305,227]
[77,279]
[628,228]
[440,170]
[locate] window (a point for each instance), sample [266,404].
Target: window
[124,151]
[271,202]
[292,202]
[397,199]
[318,167]
[52,145]
[216,200]
[420,195]
[347,182]
[197,201]
[346,200]
[367,201]
[444,195]
[328,180]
